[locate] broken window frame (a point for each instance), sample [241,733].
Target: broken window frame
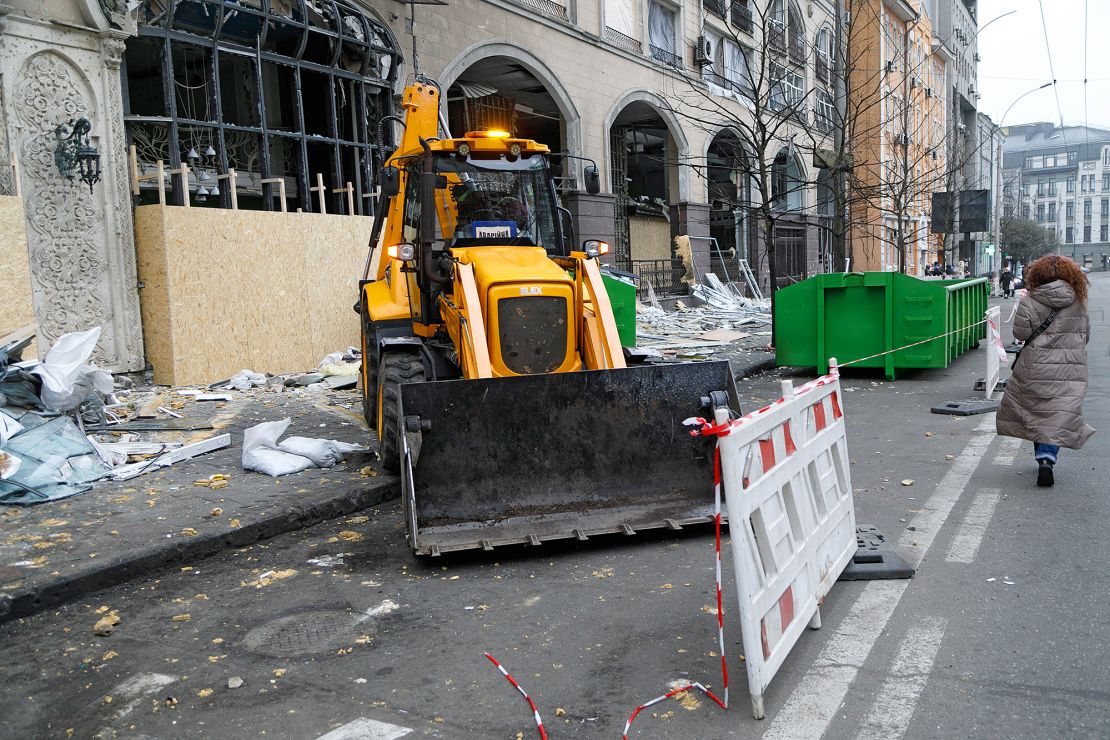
[350,32]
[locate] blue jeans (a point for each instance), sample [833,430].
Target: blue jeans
[1045,452]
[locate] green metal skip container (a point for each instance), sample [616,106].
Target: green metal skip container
[856,315]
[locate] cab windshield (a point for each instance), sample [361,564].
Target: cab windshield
[495,201]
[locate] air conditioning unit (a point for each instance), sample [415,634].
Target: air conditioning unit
[891,66]
[977,57]
[913,83]
[703,51]
[928,93]
[904,139]
[933,152]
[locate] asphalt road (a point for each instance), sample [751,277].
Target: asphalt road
[337,629]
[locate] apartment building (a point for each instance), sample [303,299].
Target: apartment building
[1060,178]
[987,176]
[273,108]
[897,134]
[650,90]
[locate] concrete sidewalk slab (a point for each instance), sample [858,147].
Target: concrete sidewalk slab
[56,552]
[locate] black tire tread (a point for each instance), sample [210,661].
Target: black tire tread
[395,368]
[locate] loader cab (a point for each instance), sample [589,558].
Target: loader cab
[489,200]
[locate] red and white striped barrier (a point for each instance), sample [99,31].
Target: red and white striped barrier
[518,687]
[789,496]
[996,351]
[668,695]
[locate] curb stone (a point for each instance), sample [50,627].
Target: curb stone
[143,562]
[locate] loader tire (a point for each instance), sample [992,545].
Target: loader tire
[395,369]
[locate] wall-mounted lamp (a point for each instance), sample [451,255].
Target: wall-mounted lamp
[75,154]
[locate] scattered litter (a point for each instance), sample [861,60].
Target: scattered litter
[243,380]
[106,624]
[153,425]
[907,482]
[306,379]
[234,682]
[170,457]
[214,397]
[67,378]
[56,461]
[263,452]
[167,412]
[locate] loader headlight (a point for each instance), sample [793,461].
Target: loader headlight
[514,149]
[463,150]
[403,251]
[595,247]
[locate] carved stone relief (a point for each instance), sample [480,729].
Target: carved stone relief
[65,221]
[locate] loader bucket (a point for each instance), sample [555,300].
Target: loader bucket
[543,457]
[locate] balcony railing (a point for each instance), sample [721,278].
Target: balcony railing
[547,7]
[666,57]
[742,16]
[625,42]
[822,68]
[727,84]
[797,48]
[776,36]
[664,276]
[716,7]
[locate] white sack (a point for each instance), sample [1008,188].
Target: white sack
[67,379]
[261,452]
[245,379]
[324,453]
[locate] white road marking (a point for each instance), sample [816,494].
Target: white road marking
[965,545]
[815,701]
[126,696]
[1008,447]
[366,729]
[893,708]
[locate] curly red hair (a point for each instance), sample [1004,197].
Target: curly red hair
[1053,267]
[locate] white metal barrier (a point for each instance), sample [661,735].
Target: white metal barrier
[996,352]
[792,523]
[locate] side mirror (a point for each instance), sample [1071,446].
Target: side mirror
[390,180]
[593,179]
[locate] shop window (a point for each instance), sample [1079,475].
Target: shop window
[275,89]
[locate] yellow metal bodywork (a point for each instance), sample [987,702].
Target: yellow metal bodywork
[483,275]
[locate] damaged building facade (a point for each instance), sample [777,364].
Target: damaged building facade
[238,145]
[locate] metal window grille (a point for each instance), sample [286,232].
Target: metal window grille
[716,7]
[776,35]
[619,165]
[742,16]
[286,90]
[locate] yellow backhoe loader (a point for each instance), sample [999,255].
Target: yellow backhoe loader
[492,369]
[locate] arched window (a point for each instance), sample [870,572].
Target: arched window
[787,186]
[281,91]
[823,57]
[796,33]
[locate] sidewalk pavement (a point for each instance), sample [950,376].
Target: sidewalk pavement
[60,551]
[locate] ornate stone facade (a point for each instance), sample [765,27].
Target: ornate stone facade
[80,240]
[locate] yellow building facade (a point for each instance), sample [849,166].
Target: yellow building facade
[896,126]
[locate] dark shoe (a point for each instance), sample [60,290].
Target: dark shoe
[1044,474]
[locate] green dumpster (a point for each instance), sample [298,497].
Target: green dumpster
[857,315]
[622,296]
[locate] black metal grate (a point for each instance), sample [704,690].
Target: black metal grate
[664,56]
[716,7]
[664,276]
[622,250]
[742,16]
[533,333]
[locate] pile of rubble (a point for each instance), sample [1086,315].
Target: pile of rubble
[725,321]
[65,424]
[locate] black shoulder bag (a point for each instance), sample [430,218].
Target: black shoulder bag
[1036,333]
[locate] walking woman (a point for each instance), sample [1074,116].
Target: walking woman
[1044,395]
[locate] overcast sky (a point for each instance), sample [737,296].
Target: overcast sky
[1015,61]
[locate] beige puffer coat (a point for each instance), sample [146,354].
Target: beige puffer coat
[1044,395]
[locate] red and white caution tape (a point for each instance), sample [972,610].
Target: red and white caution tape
[535,712]
[668,695]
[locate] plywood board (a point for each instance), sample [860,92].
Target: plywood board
[226,290]
[17,308]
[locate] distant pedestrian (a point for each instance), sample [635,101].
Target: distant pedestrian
[1006,279]
[937,269]
[1044,395]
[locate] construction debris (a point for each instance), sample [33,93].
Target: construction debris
[725,316]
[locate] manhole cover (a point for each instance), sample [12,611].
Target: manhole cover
[308,632]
